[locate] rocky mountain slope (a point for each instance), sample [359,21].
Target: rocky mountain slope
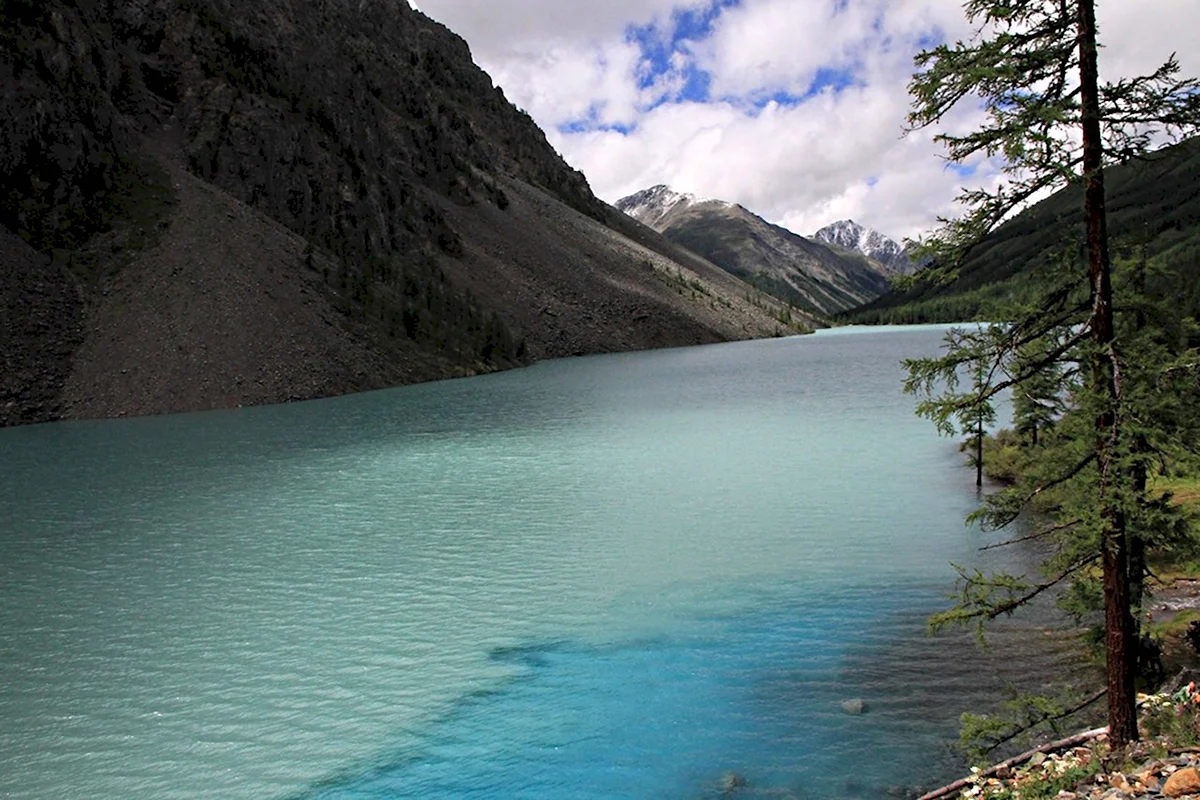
[811,275]
[848,234]
[206,203]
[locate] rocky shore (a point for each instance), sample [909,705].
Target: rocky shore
[1151,769]
[1165,764]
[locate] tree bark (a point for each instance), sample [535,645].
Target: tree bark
[979,454]
[1118,620]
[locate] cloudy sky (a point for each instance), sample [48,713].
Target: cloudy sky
[793,108]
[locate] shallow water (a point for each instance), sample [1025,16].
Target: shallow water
[619,576]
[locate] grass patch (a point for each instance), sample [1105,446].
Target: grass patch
[1169,570]
[1185,490]
[1174,627]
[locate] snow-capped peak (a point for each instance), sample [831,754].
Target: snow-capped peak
[651,205]
[871,243]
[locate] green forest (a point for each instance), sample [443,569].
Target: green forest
[1153,216]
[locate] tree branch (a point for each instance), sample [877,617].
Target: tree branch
[1011,605]
[1052,718]
[1041,534]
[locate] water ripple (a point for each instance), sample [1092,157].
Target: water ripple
[603,577]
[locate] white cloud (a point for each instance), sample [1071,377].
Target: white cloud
[493,27]
[561,83]
[778,45]
[1138,36]
[838,154]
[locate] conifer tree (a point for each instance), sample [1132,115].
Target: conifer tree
[1033,65]
[976,417]
[1038,400]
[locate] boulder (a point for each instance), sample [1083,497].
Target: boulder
[1185,781]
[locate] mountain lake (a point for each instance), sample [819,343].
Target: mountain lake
[645,575]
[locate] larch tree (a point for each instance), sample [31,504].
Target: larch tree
[974,419]
[1037,401]
[1032,67]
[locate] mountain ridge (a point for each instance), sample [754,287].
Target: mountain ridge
[871,243]
[808,274]
[393,182]
[1153,215]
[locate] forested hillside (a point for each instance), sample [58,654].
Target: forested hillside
[206,203]
[1154,215]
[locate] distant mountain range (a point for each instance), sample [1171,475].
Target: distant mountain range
[848,268]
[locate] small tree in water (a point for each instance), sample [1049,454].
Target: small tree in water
[1033,64]
[976,417]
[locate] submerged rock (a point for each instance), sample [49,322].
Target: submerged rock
[731,782]
[854,706]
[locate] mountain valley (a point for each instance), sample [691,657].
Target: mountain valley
[819,277]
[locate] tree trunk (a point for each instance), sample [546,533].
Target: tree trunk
[1118,619]
[979,454]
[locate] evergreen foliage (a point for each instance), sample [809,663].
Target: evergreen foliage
[1093,378]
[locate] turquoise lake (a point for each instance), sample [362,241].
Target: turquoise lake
[620,576]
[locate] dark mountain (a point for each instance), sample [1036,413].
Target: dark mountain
[810,275]
[206,203]
[1153,212]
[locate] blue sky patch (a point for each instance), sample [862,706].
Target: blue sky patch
[659,47]
[932,39]
[592,123]
[837,79]
[698,23]
[667,60]
[781,98]
[834,79]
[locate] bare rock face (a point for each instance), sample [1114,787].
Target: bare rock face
[249,201]
[849,235]
[60,137]
[335,118]
[222,312]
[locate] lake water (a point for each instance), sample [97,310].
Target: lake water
[612,577]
